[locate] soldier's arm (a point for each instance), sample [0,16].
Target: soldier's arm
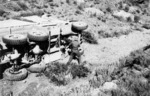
[69,45]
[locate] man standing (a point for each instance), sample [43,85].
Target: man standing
[74,46]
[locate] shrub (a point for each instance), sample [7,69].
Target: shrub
[56,73]
[136,19]
[89,37]
[22,5]
[108,9]
[61,74]
[79,71]
[37,12]
[68,1]
[26,13]
[2,12]
[13,6]
[81,6]
[78,12]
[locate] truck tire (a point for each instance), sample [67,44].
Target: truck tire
[37,68]
[78,27]
[37,36]
[15,76]
[14,39]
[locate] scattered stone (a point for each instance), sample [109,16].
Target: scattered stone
[110,86]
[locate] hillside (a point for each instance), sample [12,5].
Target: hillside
[116,49]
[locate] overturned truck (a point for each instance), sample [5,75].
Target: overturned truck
[33,51]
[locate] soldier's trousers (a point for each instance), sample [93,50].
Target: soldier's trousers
[74,54]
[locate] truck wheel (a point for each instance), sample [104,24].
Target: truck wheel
[15,76]
[14,39]
[37,68]
[79,26]
[37,36]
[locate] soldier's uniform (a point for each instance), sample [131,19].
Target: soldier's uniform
[74,46]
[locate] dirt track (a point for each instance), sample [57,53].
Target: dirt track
[110,50]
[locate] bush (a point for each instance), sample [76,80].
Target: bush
[56,73]
[22,5]
[2,12]
[37,12]
[79,71]
[61,74]
[13,6]
[26,13]
[81,6]
[89,37]
[78,12]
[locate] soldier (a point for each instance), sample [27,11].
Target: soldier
[74,46]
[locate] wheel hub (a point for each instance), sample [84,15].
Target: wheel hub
[13,36]
[12,71]
[37,33]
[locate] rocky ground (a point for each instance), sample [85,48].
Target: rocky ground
[113,70]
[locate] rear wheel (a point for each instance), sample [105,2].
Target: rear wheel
[78,27]
[14,39]
[15,76]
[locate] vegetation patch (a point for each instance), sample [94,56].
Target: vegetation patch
[62,74]
[89,37]
[133,74]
